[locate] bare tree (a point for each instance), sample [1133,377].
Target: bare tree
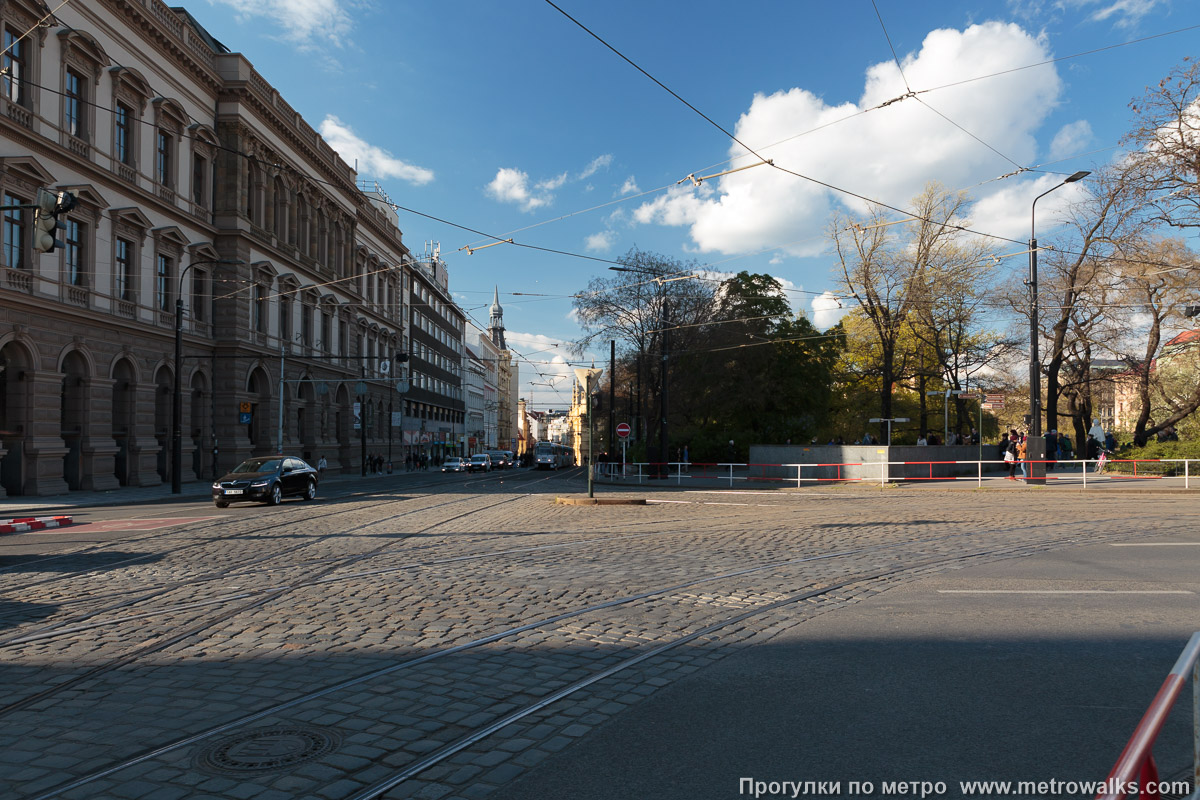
[1164,163]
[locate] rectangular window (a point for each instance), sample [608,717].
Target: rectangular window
[124,135]
[306,325]
[14,233]
[260,308]
[162,282]
[163,158]
[123,270]
[73,238]
[199,178]
[285,319]
[74,104]
[343,338]
[199,295]
[14,67]
[327,333]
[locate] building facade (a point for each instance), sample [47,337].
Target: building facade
[203,200]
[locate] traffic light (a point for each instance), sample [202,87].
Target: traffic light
[45,218]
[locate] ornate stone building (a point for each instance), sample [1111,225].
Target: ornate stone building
[195,182]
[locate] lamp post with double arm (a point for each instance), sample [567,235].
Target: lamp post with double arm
[177,397]
[1035,446]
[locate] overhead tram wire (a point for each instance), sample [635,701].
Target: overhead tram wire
[831,123]
[50,15]
[716,125]
[887,36]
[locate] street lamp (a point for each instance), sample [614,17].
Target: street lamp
[889,421]
[588,376]
[177,398]
[1035,443]
[948,393]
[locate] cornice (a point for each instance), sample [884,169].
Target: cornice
[165,41]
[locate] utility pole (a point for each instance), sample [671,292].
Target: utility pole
[612,395]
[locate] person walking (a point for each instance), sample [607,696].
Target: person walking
[321,466]
[1010,454]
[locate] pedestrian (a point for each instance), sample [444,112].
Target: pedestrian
[1110,442]
[1023,453]
[321,465]
[1010,455]
[1066,450]
[1051,448]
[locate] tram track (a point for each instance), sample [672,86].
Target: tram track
[200,627]
[79,623]
[292,511]
[826,589]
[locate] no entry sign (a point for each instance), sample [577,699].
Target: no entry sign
[623,430]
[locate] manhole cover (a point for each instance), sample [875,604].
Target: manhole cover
[266,749]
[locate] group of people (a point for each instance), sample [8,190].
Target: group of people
[1014,449]
[952,438]
[416,461]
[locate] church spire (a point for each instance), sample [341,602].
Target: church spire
[496,321]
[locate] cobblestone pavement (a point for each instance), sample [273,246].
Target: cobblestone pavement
[439,644]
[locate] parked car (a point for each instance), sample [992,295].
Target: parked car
[480,462]
[456,464]
[266,480]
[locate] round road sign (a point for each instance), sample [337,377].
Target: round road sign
[623,430]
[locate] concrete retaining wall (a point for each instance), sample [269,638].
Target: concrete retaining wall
[870,456]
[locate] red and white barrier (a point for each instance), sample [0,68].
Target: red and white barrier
[24,524]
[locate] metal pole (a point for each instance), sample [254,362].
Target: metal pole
[945,419]
[591,452]
[282,353]
[612,394]
[177,398]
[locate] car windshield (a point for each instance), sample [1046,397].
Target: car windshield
[258,465]
[478,458]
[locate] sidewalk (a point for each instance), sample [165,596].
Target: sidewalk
[191,492]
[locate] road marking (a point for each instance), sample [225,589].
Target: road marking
[1155,544]
[1063,591]
[711,503]
[142,524]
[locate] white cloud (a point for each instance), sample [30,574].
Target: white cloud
[601,242]
[371,160]
[888,154]
[1125,13]
[598,163]
[304,22]
[549,357]
[550,184]
[827,310]
[512,186]
[1072,139]
[629,187]
[1006,212]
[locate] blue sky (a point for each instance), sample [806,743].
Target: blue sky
[500,115]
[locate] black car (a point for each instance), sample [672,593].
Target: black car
[266,480]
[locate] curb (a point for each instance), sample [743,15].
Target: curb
[600,501]
[23,524]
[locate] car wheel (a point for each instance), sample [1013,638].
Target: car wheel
[274,496]
[221,503]
[311,491]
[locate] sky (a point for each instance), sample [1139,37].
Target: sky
[507,118]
